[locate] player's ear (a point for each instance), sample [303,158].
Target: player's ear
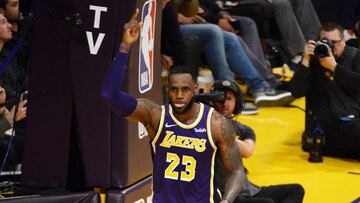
[196,88]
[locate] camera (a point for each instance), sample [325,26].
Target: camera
[322,48]
[211,97]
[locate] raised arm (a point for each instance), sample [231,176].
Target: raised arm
[224,136]
[142,110]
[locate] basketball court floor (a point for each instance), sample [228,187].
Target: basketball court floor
[279,159]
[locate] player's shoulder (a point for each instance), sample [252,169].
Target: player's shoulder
[217,118]
[221,126]
[148,103]
[217,121]
[147,110]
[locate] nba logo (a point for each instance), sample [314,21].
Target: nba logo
[146,51]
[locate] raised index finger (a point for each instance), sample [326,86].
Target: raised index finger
[134,16]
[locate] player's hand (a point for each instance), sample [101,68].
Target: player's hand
[131,30]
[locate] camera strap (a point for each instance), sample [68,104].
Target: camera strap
[10,56]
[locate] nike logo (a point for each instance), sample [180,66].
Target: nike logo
[169,125]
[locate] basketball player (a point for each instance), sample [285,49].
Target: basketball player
[185,135]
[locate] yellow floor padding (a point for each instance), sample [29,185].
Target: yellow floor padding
[278,158]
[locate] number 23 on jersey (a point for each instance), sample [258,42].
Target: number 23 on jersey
[190,167]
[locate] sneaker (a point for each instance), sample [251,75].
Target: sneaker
[272,97]
[231,3]
[250,109]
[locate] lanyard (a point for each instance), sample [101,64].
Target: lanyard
[10,56]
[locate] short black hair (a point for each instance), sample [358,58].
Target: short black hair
[330,26]
[3,4]
[183,69]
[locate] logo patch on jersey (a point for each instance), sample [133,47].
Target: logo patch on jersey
[200,130]
[172,140]
[146,51]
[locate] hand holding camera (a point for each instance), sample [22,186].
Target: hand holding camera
[308,52]
[323,49]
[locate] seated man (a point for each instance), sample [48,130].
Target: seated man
[225,54]
[14,76]
[6,123]
[248,34]
[246,142]
[297,21]
[7,116]
[330,81]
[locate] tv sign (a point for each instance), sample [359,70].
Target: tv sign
[146,51]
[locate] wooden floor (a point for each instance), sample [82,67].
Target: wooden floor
[278,158]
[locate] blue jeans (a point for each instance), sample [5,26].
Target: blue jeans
[224,54]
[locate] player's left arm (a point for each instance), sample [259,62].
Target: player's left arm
[224,136]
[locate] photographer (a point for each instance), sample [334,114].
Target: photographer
[230,104]
[330,81]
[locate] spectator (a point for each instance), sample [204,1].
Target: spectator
[5,61]
[223,51]
[293,193]
[172,46]
[6,123]
[247,31]
[15,75]
[331,86]
[297,21]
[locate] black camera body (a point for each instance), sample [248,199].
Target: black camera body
[218,94]
[211,97]
[322,48]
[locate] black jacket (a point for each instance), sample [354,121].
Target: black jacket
[330,96]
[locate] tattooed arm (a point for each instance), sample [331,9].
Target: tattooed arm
[148,113]
[224,136]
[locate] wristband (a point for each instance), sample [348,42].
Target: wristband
[124,48]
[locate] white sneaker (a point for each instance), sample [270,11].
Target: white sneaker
[231,3]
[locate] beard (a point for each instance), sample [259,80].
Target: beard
[185,109]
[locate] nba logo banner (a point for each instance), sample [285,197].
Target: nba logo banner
[146,51]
